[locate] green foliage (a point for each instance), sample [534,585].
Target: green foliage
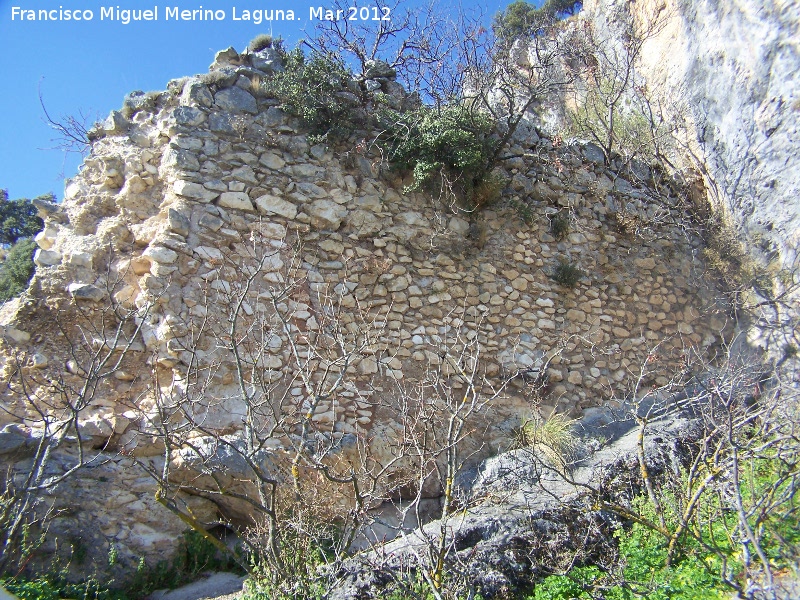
[56,587]
[643,554]
[303,555]
[567,587]
[616,115]
[567,274]
[453,141]
[17,269]
[693,574]
[707,549]
[739,267]
[315,90]
[415,587]
[521,19]
[195,555]
[18,219]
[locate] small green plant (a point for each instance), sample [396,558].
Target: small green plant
[523,209]
[113,555]
[559,225]
[554,437]
[567,274]
[195,555]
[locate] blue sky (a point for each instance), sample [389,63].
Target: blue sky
[90,66]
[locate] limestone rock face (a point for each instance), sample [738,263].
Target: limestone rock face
[734,69]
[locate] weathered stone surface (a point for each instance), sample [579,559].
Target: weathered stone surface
[46,238]
[378,68]
[12,438]
[272,205]
[189,116]
[189,189]
[84,291]
[178,222]
[237,200]
[272,161]
[326,214]
[267,60]
[46,258]
[458,226]
[235,99]
[182,160]
[160,254]
[221,123]
[594,154]
[196,92]
[534,509]
[227,57]
[737,87]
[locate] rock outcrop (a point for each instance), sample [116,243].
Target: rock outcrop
[732,66]
[525,515]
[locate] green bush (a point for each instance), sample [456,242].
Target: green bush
[518,20]
[453,141]
[567,274]
[56,587]
[195,555]
[707,549]
[315,90]
[17,269]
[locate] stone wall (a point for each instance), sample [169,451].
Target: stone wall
[184,188]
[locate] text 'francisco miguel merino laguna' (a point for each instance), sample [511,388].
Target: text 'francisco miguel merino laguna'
[175,13]
[157,13]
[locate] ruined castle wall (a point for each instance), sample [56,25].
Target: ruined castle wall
[181,196]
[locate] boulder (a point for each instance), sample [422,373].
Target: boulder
[46,258]
[272,205]
[235,99]
[85,291]
[196,191]
[378,68]
[237,200]
[267,60]
[326,214]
